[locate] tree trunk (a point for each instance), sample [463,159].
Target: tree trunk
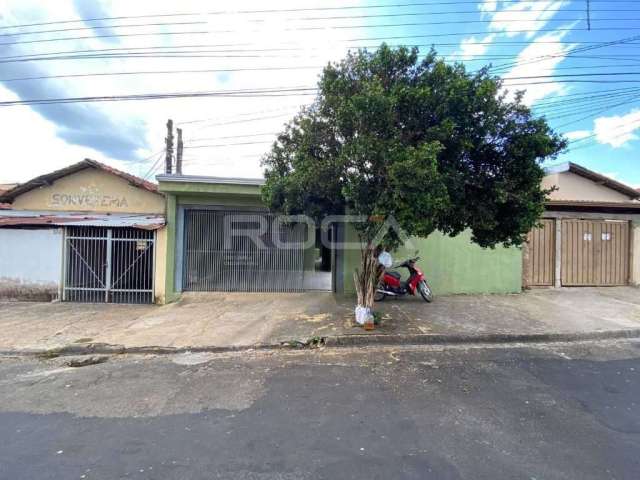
[366,279]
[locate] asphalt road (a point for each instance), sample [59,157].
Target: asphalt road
[550,412]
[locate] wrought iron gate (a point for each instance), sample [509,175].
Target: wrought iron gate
[113,265]
[217,259]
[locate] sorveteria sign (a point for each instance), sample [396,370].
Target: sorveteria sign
[88,200]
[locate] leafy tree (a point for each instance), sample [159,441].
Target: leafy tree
[434,146]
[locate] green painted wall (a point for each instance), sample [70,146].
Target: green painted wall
[453,265]
[170,290]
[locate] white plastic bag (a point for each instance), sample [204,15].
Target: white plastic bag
[363,314]
[385,259]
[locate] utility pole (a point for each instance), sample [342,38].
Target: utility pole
[168,159]
[179,153]
[589,15]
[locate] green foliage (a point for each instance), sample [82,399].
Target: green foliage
[429,143]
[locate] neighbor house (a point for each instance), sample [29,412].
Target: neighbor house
[87,232]
[589,234]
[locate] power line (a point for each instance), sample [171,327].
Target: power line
[228,144]
[161,72]
[91,37]
[103,27]
[331,27]
[245,135]
[596,112]
[247,120]
[250,114]
[579,49]
[590,100]
[265,92]
[263,69]
[178,48]
[243,53]
[567,75]
[594,135]
[160,155]
[273,92]
[333,18]
[46,56]
[288,10]
[585,94]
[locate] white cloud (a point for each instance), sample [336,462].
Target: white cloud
[509,21]
[488,6]
[472,46]
[617,131]
[525,15]
[538,59]
[34,144]
[577,134]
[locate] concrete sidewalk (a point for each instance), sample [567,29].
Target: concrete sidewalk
[223,320]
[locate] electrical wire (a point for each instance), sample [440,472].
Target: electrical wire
[71,54]
[178,48]
[273,92]
[333,18]
[227,144]
[266,69]
[288,10]
[250,114]
[103,27]
[330,27]
[160,154]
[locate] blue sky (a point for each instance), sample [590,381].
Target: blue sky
[585,88]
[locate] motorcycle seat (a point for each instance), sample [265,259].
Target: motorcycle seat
[394,274]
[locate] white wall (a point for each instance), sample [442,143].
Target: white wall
[30,262]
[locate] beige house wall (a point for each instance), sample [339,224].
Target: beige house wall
[91,190]
[635,255]
[574,187]
[160,274]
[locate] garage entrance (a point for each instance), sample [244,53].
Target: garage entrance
[247,251]
[108,265]
[595,253]
[592,253]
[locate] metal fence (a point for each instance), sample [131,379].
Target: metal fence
[241,251]
[113,265]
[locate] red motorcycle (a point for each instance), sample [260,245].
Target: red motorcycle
[391,285]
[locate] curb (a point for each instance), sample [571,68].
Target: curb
[487,338]
[353,340]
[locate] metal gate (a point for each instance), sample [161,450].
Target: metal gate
[595,253]
[113,265]
[540,263]
[241,251]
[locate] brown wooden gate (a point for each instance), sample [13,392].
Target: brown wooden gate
[595,253]
[540,261]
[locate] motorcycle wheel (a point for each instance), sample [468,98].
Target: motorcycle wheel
[425,291]
[379,296]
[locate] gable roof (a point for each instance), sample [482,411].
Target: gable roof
[48,178]
[594,177]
